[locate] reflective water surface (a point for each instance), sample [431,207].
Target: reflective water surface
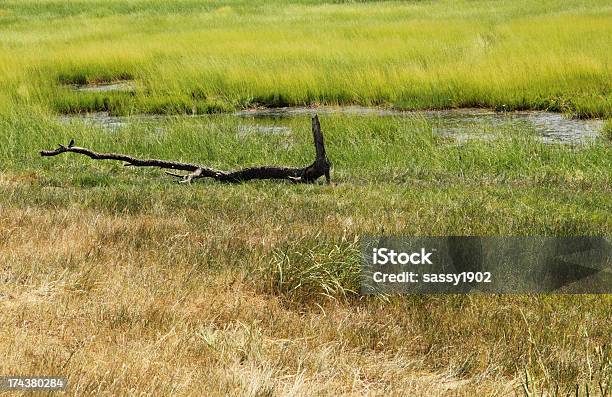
[461,124]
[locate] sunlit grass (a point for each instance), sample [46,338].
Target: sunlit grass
[238,286]
[506,55]
[126,282]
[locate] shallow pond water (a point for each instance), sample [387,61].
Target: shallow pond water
[245,130]
[460,124]
[121,86]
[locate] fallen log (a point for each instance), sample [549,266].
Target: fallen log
[309,174]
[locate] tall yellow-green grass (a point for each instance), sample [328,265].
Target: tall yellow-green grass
[206,56]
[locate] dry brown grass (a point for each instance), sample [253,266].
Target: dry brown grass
[149,304]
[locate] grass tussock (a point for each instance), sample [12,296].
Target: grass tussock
[306,270]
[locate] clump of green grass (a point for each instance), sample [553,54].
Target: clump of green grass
[182,105]
[307,270]
[304,271]
[126,103]
[115,103]
[99,77]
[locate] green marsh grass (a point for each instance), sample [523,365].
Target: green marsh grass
[209,56]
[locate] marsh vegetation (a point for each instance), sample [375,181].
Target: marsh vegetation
[127,283]
[210,56]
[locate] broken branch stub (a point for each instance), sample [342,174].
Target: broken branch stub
[309,174]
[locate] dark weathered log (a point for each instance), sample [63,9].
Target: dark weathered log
[320,167]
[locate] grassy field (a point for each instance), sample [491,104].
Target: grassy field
[129,284]
[208,56]
[126,282]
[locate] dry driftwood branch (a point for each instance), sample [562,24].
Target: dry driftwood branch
[320,167]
